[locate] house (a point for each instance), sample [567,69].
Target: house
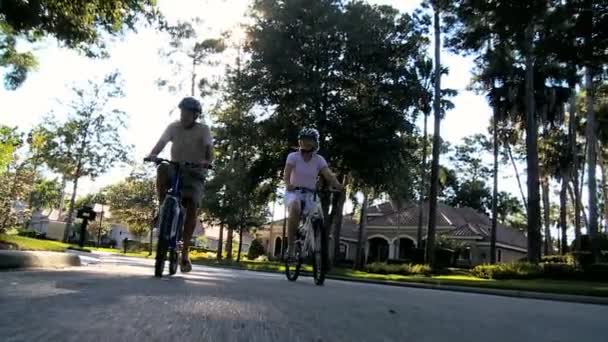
[52,223]
[212,235]
[392,234]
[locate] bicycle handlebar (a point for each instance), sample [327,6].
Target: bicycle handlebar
[162,160]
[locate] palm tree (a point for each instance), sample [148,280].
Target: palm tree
[430,240]
[592,228]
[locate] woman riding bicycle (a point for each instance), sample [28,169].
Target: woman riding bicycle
[301,172]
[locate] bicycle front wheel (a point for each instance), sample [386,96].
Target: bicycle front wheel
[294,264]
[166,221]
[319,254]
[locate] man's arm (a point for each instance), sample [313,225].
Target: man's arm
[331,178]
[208,148]
[162,142]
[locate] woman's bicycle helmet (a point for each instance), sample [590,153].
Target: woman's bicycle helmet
[310,133]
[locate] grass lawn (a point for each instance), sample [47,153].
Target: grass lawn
[31,244]
[598,289]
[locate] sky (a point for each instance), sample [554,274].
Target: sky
[136,56]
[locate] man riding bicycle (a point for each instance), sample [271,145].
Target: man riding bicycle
[301,171]
[191,143]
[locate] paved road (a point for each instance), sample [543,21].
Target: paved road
[117,299]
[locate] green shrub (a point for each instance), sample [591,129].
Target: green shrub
[582,259]
[559,259]
[596,272]
[255,250]
[262,258]
[381,268]
[31,234]
[421,269]
[403,269]
[586,243]
[135,246]
[198,249]
[519,270]
[560,271]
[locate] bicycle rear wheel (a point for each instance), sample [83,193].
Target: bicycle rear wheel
[319,255]
[294,264]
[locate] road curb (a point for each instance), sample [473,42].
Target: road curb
[486,291]
[454,288]
[10,259]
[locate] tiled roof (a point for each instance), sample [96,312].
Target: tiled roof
[466,222]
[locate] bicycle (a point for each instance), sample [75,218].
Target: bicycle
[171,219]
[310,242]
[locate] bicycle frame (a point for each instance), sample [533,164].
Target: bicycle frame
[174,195]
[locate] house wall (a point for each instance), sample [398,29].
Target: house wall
[510,255]
[119,233]
[481,255]
[351,249]
[55,230]
[269,237]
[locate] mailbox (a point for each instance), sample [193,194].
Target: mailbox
[86,213]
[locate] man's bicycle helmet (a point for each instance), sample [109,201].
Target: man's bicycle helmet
[191,104]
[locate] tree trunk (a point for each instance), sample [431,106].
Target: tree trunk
[495,189]
[592,228]
[362,235]
[534,224]
[397,254]
[604,188]
[430,240]
[548,247]
[283,244]
[193,77]
[238,257]
[220,242]
[423,189]
[581,182]
[30,199]
[337,225]
[229,243]
[574,197]
[61,197]
[563,214]
[517,177]
[151,232]
[68,225]
[574,171]
[558,242]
